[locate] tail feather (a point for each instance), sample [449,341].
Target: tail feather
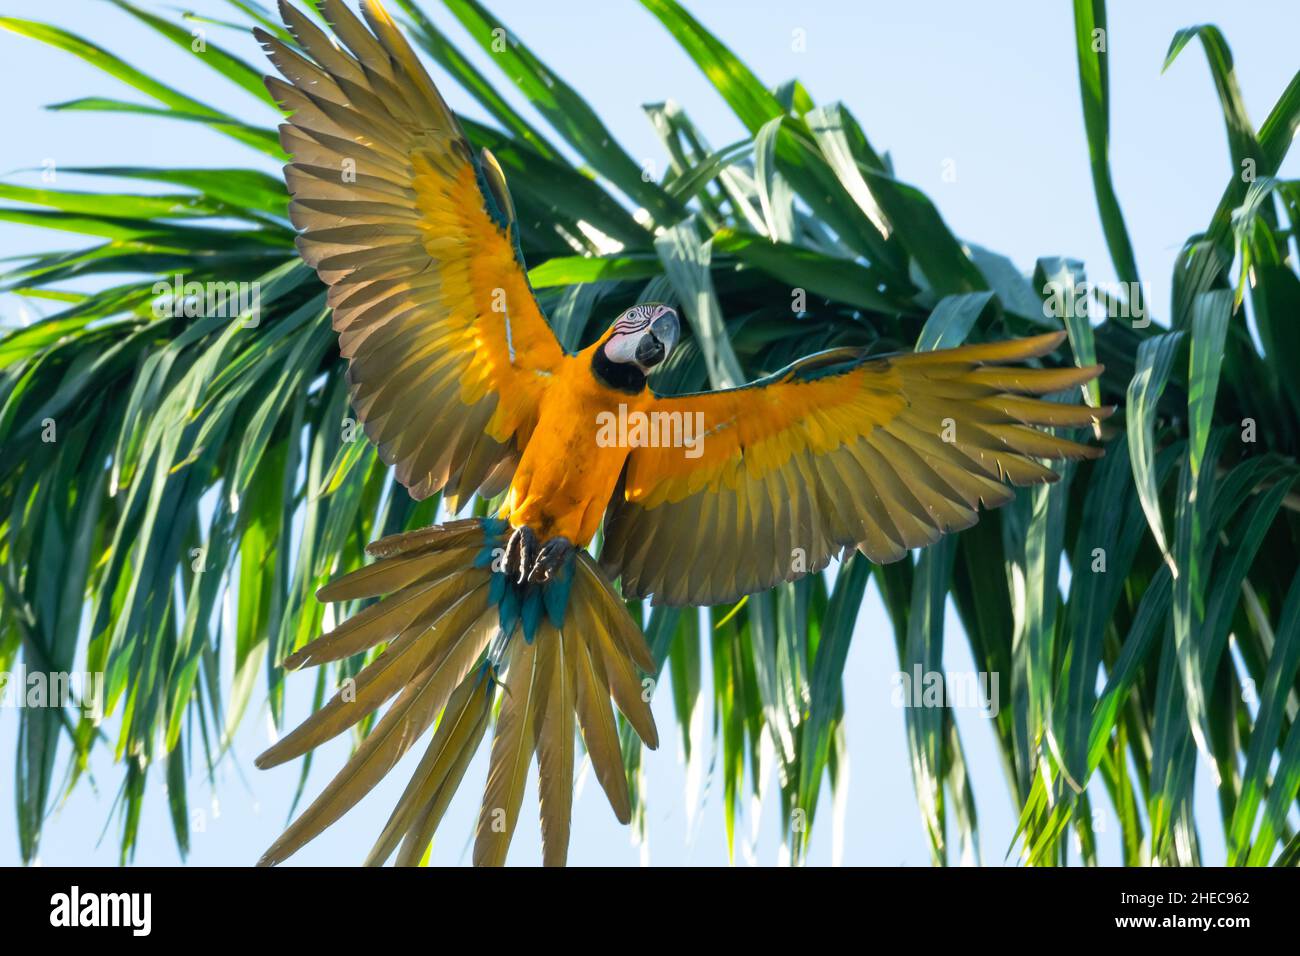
[512,751]
[421,648]
[418,838]
[410,715]
[439,537]
[619,672]
[614,614]
[436,779]
[418,603]
[553,727]
[385,577]
[599,733]
[453,625]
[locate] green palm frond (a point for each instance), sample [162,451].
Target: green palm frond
[163,458]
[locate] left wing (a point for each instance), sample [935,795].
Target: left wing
[837,451]
[448,351]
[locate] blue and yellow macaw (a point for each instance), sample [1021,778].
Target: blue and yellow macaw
[463,388]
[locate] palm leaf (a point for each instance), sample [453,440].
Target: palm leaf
[205,461]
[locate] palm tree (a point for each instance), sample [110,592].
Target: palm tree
[159,459]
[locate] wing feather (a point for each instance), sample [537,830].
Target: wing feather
[414,235]
[841,450]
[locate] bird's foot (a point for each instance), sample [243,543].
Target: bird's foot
[528,560]
[550,559]
[521,554]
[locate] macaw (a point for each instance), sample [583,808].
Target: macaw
[463,388]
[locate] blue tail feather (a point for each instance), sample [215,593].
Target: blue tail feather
[531,614]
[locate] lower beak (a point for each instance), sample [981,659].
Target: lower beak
[650,351]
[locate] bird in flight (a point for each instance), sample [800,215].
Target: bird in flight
[464,389]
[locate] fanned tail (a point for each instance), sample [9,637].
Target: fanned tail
[456,630]
[568,669]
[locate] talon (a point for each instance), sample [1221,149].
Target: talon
[521,553]
[550,559]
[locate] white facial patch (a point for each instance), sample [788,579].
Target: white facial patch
[621,346]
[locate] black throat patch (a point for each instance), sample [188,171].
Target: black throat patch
[617,375]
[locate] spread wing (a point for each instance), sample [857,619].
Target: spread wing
[413,233]
[837,451]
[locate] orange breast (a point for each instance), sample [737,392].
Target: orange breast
[573,460]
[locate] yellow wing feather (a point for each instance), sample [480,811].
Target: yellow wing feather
[448,351]
[879,454]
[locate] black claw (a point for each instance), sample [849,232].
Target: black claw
[527,560]
[550,559]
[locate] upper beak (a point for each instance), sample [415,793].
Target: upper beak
[666,330]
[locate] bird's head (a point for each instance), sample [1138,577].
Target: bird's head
[639,341]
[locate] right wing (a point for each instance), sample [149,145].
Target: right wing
[449,353]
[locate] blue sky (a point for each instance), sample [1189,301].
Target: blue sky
[945,87]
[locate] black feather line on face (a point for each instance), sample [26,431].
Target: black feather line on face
[630,324]
[620,376]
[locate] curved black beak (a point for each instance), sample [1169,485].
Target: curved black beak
[658,340]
